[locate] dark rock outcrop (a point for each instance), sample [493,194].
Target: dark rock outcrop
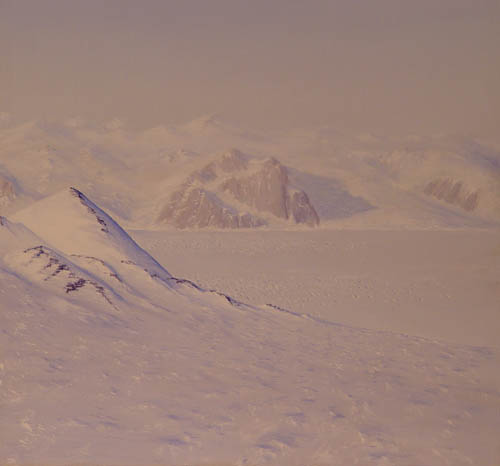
[214,195]
[7,191]
[193,207]
[453,192]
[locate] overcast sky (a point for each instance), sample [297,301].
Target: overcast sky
[393,66]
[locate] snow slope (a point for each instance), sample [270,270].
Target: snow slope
[75,225]
[133,366]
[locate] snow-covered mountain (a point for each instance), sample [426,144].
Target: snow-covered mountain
[76,226]
[106,358]
[68,247]
[76,248]
[234,190]
[68,244]
[163,176]
[465,175]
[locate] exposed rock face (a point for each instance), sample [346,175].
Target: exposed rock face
[233,160]
[301,209]
[193,207]
[453,192]
[6,187]
[266,190]
[7,192]
[208,196]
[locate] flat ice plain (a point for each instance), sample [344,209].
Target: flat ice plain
[431,283]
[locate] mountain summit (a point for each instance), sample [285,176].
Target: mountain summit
[237,191]
[73,224]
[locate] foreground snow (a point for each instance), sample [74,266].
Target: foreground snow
[197,384]
[134,366]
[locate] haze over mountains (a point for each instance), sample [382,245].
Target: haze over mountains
[312,281]
[208,173]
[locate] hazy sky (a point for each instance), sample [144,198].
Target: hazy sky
[369,65]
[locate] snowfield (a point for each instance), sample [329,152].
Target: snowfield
[358,323]
[436,284]
[109,359]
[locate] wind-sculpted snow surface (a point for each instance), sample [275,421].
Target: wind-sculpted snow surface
[197,384]
[108,359]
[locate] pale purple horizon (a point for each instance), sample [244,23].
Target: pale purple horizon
[394,66]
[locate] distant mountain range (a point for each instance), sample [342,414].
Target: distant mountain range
[185,176]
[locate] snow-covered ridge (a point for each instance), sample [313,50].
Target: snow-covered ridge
[75,225]
[15,236]
[78,248]
[49,266]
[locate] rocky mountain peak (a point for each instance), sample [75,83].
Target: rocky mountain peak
[237,191]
